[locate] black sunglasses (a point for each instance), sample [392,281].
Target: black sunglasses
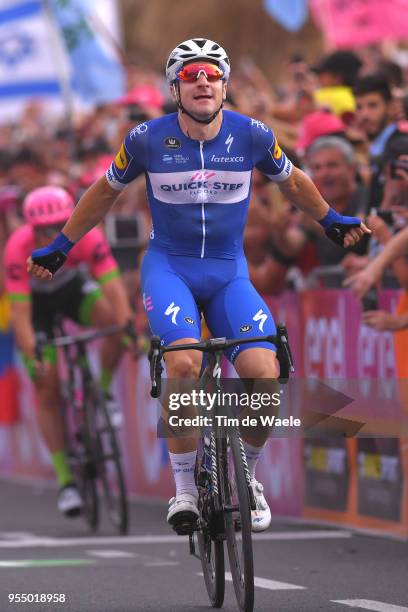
[49,230]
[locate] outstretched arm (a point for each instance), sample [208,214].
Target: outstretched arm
[300,190]
[362,281]
[90,210]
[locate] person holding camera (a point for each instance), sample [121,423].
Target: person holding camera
[392,216]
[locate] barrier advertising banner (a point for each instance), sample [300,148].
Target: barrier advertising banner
[347,464]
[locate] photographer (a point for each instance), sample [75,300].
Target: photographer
[392,216]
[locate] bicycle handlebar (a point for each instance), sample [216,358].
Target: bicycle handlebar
[214,345]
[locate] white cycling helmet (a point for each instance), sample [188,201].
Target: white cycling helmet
[196,49]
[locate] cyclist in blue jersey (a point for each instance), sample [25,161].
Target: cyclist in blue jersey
[198,164]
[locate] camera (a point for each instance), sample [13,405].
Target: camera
[370,300]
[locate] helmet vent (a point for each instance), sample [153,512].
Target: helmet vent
[184,47]
[215,47]
[200,42]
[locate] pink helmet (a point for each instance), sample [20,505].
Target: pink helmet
[47,206]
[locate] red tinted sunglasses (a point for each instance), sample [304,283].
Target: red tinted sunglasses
[191,73]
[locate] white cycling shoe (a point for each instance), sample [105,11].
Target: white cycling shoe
[69,500]
[261,517]
[183,513]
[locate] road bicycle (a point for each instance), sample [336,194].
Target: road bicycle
[222,476]
[92,444]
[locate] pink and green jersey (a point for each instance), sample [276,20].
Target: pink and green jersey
[92,252]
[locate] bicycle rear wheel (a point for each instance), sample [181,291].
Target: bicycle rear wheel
[211,549]
[109,466]
[237,511]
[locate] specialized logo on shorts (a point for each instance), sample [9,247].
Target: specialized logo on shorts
[172,143]
[277,151]
[121,159]
[261,317]
[245,328]
[200,186]
[189,320]
[172,310]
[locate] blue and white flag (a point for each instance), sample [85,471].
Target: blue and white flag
[290,14]
[27,66]
[97,74]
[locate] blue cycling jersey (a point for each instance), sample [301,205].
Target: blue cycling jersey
[198,191]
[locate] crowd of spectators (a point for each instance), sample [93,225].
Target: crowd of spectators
[343,120]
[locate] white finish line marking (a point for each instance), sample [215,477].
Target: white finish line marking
[265,583]
[272,585]
[368,604]
[160,563]
[110,554]
[33,541]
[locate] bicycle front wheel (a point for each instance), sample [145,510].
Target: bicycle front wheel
[237,513]
[212,562]
[211,549]
[110,471]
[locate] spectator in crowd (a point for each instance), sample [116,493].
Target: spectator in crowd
[332,167]
[375,118]
[336,75]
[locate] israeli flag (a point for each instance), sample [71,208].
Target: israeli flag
[97,74]
[27,65]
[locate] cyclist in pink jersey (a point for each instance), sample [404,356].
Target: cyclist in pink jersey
[89,290]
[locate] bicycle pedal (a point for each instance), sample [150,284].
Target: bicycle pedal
[184,529]
[184,523]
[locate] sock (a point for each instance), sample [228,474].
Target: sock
[183,465]
[252,454]
[105,380]
[62,469]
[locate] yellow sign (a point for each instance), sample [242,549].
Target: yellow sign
[121,159]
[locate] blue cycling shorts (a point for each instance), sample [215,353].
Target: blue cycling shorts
[177,289]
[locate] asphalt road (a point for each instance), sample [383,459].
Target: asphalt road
[299,568]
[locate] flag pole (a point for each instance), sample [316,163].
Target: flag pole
[61,58]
